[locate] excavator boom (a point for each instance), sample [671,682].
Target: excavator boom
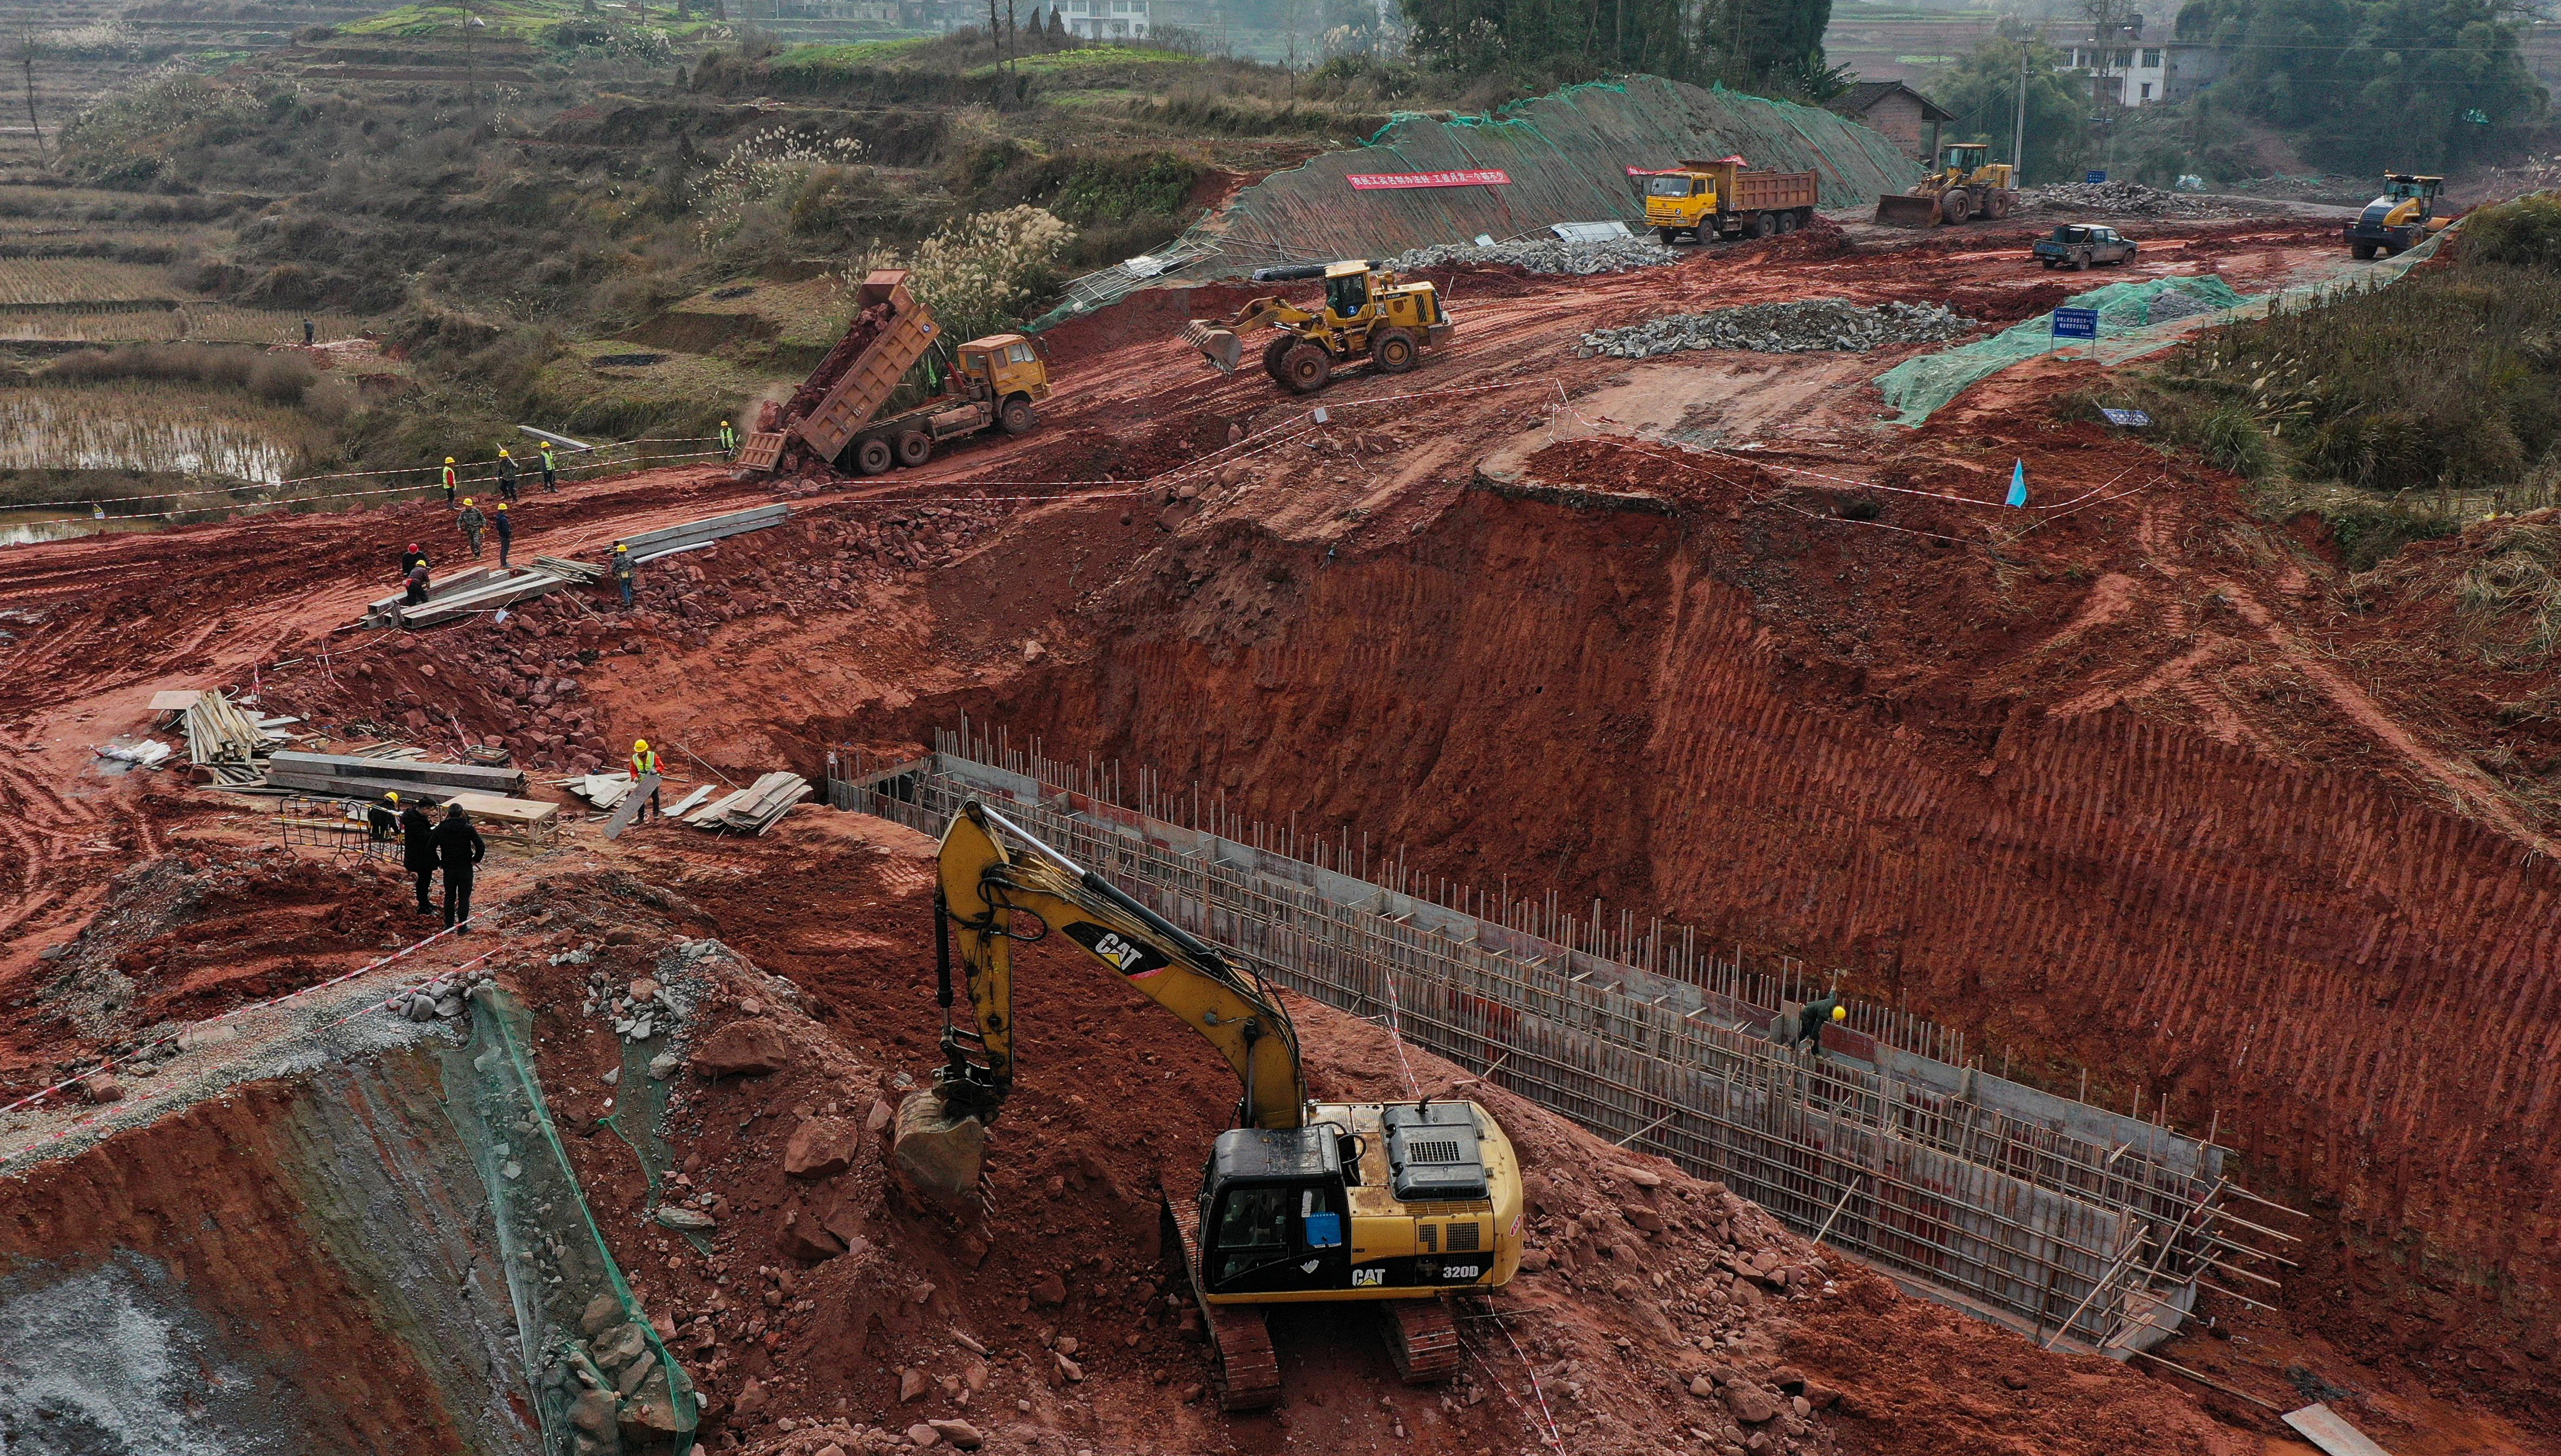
[988,899]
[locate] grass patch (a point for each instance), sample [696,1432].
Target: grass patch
[862,56]
[1091,58]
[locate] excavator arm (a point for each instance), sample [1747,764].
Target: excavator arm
[986,900]
[1221,340]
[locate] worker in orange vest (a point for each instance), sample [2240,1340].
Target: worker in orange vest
[645,763]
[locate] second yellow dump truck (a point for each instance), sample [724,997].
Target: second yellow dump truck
[1729,200]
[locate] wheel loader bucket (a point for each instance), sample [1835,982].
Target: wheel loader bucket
[1903,210]
[1221,347]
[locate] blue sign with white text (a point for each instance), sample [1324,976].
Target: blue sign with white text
[2075,323]
[2094,176]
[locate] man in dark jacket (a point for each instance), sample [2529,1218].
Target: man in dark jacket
[506,532]
[418,851]
[458,852]
[412,557]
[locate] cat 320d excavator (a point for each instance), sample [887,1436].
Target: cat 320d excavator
[1399,1202]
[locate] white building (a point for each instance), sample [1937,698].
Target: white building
[2131,73]
[1103,20]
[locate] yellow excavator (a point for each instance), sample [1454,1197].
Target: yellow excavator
[1366,313]
[1963,186]
[1398,1202]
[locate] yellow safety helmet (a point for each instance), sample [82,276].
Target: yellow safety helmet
[1840,1012]
[502,452]
[640,746]
[448,459]
[502,505]
[466,500]
[620,546]
[393,796]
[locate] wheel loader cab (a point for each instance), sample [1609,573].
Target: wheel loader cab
[1275,1217]
[1347,291]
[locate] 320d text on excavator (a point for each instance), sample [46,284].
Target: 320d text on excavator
[1400,1203]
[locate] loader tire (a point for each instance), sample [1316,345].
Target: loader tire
[1273,354]
[915,449]
[873,456]
[1997,206]
[1956,206]
[2362,251]
[1017,417]
[1391,351]
[1306,368]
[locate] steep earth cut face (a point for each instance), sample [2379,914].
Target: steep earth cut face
[306,1265]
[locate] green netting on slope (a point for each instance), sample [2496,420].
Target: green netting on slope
[604,1383]
[1567,155]
[2135,319]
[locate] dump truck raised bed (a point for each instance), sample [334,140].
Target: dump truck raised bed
[991,382]
[1729,200]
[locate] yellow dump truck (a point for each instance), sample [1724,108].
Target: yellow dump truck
[1729,200]
[992,383]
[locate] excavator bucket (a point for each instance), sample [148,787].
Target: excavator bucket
[1903,210]
[1221,347]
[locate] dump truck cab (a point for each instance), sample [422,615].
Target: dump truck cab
[2400,219]
[1004,366]
[1680,200]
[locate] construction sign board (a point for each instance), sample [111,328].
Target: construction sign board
[1375,181]
[2075,323]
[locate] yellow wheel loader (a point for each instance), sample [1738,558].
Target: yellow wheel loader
[1366,314]
[1400,1203]
[1963,187]
[2404,217]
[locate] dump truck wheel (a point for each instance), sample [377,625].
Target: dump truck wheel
[873,456]
[1666,235]
[1763,224]
[1305,367]
[1017,417]
[1786,222]
[1273,354]
[915,449]
[1956,206]
[1391,351]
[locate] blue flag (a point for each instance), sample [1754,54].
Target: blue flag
[2018,483]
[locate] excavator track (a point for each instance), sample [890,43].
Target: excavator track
[1248,1372]
[1423,1340]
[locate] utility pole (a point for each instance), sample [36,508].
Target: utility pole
[2018,122]
[27,70]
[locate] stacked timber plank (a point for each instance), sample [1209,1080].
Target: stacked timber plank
[349,776]
[752,809]
[387,611]
[667,541]
[574,570]
[225,741]
[504,589]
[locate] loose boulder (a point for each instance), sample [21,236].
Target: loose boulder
[742,1048]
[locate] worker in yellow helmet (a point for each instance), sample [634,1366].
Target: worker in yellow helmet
[622,570]
[382,820]
[506,474]
[472,522]
[644,766]
[1817,1015]
[729,441]
[452,480]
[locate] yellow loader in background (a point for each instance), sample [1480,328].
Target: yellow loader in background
[1965,186]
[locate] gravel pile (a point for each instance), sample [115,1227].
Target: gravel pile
[1546,255]
[2124,198]
[1782,328]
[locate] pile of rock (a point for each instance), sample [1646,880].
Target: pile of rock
[1810,326]
[615,1386]
[2121,199]
[1546,255]
[642,1010]
[442,999]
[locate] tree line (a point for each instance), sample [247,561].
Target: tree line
[1769,46]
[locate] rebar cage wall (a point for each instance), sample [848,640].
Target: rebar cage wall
[2066,1221]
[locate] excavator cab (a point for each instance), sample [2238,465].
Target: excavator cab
[1276,1212]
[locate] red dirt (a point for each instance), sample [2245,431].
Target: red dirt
[2142,787]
